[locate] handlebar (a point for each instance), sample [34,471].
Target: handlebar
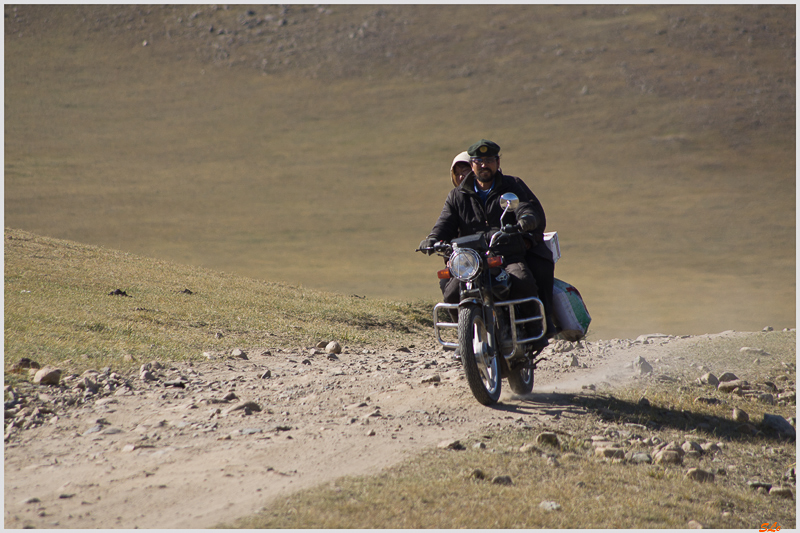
[440,247]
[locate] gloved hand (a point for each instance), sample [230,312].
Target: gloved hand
[527,223]
[427,242]
[511,228]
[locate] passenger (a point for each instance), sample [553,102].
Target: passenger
[460,168]
[474,206]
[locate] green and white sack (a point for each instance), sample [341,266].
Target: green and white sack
[570,311]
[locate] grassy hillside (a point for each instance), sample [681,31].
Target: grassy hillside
[310,144]
[59,310]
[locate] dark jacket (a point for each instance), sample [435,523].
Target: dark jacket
[464,213]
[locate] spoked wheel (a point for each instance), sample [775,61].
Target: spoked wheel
[481,368]
[521,380]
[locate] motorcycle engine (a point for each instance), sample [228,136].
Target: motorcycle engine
[501,283]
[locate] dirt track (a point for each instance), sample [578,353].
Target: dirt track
[170,453]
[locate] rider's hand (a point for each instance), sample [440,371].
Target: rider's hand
[511,228]
[427,244]
[527,223]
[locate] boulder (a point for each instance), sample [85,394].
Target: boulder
[47,376]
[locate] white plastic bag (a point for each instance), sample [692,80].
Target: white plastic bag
[570,312]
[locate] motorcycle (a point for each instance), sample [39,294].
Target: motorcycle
[491,338]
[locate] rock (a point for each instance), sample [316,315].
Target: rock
[782,492]
[691,446]
[477,474]
[609,452]
[709,447]
[668,457]
[788,396]
[239,354]
[435,378]
[699,475]
[502,480]
[94,429]
[756,485]
[322,344]
[24,364]
[561,346]
[754,351]
[530,448]
[707,401]
[88,385]
[146,375]
[571,361]
[550,439]
[728,376]
[267,374]
[709,379]
[780,425]
[740,416]
[766,398]
[549,506]
[333,347]
[694,524]
[371,433]
[246,407]
[47,376]
[450,444]
[479,446]
[641,366]
[640,457]
[731,386]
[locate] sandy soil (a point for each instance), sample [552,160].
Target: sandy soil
[175,453]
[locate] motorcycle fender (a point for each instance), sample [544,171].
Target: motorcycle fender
[470,301]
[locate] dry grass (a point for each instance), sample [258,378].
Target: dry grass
[316,152]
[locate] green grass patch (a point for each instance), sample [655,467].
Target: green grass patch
[60,310]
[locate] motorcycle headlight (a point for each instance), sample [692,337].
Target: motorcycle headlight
[465,264]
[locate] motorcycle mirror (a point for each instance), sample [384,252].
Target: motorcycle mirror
[509,201]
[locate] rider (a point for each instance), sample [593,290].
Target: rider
[474,206]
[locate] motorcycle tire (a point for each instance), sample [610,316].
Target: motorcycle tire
[481,368]
[521,380]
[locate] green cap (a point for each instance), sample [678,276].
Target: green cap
[484,148]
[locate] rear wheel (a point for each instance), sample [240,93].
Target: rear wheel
[521,380]
[480,366]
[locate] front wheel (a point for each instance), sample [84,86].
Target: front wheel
[480,365]
[521,380]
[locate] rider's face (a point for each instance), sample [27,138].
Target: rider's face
[461,170]
[485,167]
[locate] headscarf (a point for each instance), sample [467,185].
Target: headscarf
[463,157]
